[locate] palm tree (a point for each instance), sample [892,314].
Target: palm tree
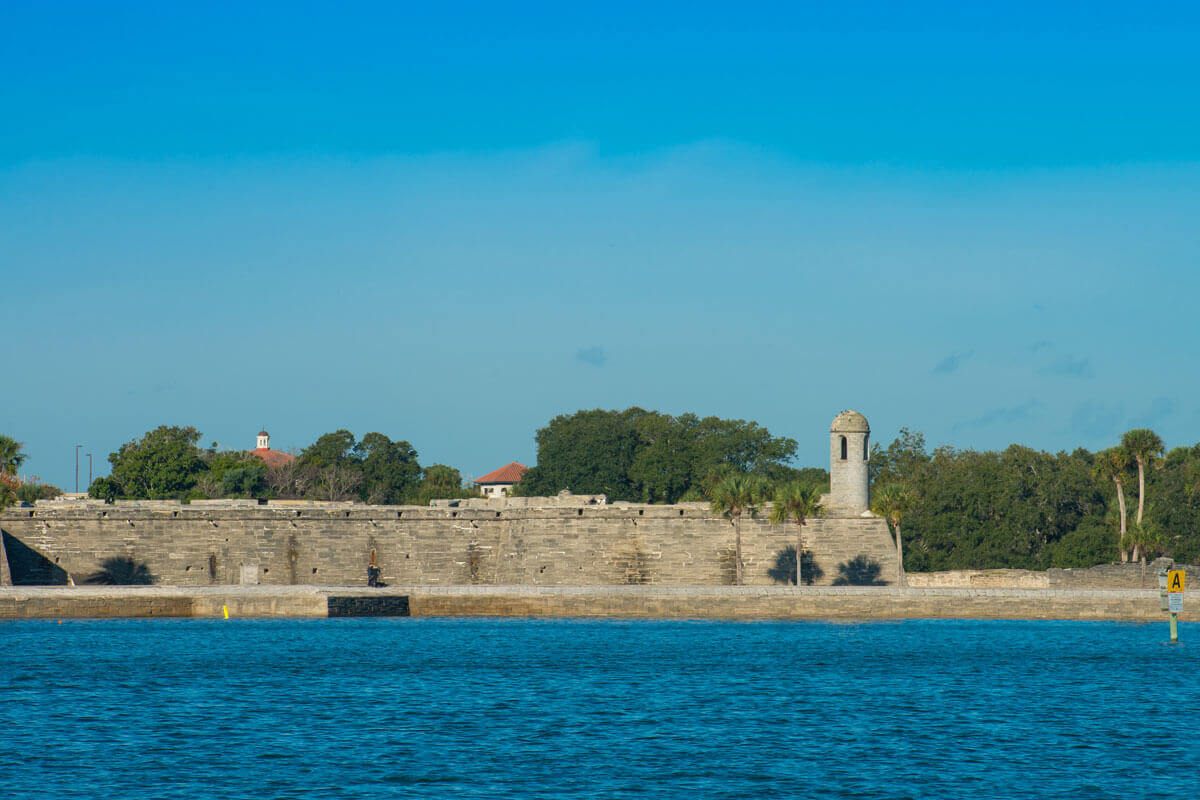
[892,501]
[797,501]
[731,498]
[11,456]
[1146,537]
[1143,445]
[1113,464]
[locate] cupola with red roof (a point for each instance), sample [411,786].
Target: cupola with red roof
[272,458]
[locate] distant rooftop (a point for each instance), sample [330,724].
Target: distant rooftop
[509,473]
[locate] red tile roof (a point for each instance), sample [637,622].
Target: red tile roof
[509,473]
[272,458]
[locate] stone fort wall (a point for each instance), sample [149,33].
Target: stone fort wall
[231,542]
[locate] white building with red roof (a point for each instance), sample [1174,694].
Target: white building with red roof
[499,482]
[272,458]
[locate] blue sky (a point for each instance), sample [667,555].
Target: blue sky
[451,225]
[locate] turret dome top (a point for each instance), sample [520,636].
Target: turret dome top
[849,422]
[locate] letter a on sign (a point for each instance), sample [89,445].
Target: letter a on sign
[1175,579]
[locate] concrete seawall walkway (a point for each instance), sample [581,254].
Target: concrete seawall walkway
[633,602]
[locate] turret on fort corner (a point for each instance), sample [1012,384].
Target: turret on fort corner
[849,453]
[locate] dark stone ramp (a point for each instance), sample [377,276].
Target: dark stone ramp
[5,577]
[28,567]
[369,606]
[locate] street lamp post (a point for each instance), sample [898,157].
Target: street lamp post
[77,447]
[89,455]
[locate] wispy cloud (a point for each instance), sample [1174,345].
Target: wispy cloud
[1017,413]
[952,362]
[594,355]
[1069,367]
[1160,407]
[1096,419]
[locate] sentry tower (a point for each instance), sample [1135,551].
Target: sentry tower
[849,452]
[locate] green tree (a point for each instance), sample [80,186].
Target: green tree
[663,461]
[1113,465]
[892,501]
[648,456]
[997,509]
[11,455]
[34,491]
[440,482]
[901,461]
[588,452]
[1143,445]
[247,481]
[390,470]
[104,488]
[163,464]
[798,501]
[442,477]
[331,449]
[733,497]
[1176,509]
[1147,538]
[736,445]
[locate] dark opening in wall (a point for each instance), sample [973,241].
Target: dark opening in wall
[843,438]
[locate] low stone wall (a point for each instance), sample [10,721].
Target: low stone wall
[1103,576]
[632,602]
[979,578]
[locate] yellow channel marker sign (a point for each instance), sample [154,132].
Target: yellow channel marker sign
[1175,580]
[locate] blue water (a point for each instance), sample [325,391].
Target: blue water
[520,708]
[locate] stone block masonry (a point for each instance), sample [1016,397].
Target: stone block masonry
[556,545]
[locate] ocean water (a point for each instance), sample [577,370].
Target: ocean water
[489,708]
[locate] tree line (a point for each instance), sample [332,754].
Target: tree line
[651,457]
[168,463]
[947,508]
[1025,508]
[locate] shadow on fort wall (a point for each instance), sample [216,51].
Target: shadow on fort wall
[121,571]
[784,570]
[28,567]
[859,571]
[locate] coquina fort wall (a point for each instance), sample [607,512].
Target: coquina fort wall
[566,541]
[563,540]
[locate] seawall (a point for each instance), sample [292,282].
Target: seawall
[628,602]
